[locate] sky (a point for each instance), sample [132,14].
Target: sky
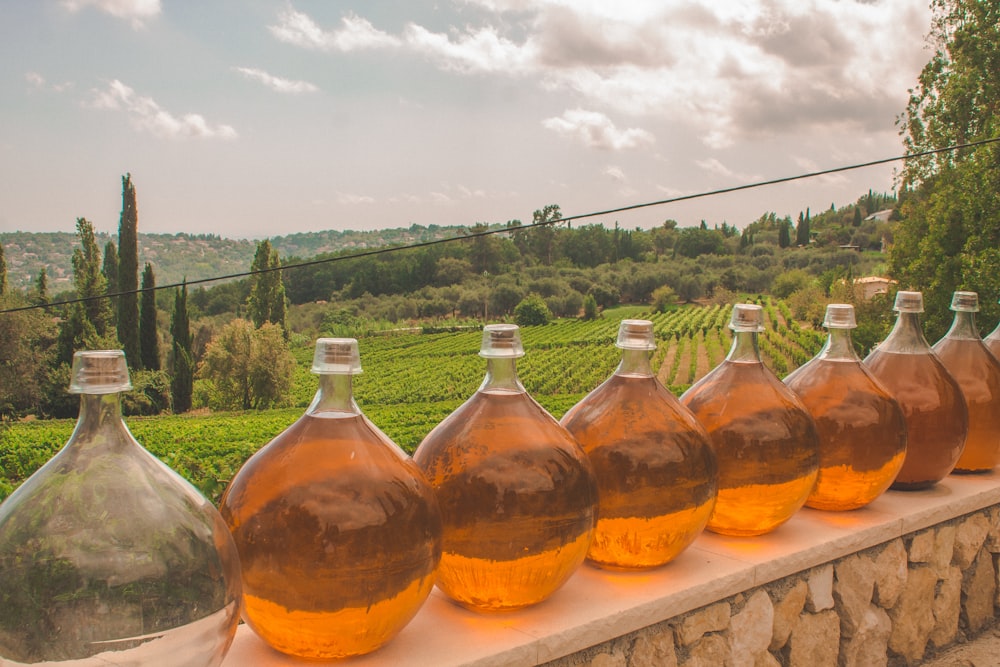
[256,118]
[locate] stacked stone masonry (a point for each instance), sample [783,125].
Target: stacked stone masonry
[897,603]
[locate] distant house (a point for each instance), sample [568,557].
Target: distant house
[881,216]
[872,285]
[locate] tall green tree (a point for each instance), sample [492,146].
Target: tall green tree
[87,324]
[182,359]
[266,302]
[128,273]
[3,272]
[784,233]
[948,236]
[41,295]
[110,271]
[802,231]
[149,340]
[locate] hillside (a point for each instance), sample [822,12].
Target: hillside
[194,256]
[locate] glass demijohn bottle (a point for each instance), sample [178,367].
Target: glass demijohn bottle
[656,471]
[108,557]
[862,430]
[517,493]
[339,534]
[765,441]
[936,417]
[992,342]
[977,372]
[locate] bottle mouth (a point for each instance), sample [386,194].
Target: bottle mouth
[336,356]
[747,317]
[99,372]
[635,335]
[501,341]
[966,302]
[840,316]
[909,302]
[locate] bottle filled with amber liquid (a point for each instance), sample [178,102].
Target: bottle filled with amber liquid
[977,372]
[862,430]
[656,471]
[517,493]
[107,556]
[338,532]
[936,417]
[765,441]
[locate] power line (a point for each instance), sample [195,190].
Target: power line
[505,230]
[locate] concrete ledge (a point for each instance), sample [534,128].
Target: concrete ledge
[596,606]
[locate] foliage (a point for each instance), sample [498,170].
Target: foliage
[149,339]
[128,275]
[249,368]
[266,302]
[532,311]
[26,336]
[182,360]
[664,298]
[948,237]
[3,272]
[590,311]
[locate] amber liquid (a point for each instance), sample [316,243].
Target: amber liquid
[656,472]
[862,433]
[978,374]
[517,498]
[936,418]
[765,442]
[338,536]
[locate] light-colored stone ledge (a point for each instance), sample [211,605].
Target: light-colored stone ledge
[596,606]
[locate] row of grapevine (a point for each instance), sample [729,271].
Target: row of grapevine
[411,381]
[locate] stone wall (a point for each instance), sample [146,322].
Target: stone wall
[894,604]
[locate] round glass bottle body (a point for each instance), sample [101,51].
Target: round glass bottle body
[992,342]
[656,473]
[977,372]
[936,417]
[765,442]
[339,534]
[861,427]
[109,557]
[517,494]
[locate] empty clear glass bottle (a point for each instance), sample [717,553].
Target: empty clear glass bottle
[936,417]
[339,533]
[862,431]
[992,342]
[977,372]
[765,441]
[108,557]
[517,493]
[656,472]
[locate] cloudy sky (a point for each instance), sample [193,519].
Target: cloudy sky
[251,118]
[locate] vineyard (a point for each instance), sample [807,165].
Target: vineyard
[411,381]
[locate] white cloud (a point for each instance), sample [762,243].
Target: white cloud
[146,115]
[277,83]
[615,173]
[38,82]
[727,71]
[137,12]
[348,198]
[354,33]
[35,79]
[596,130]
[714,166]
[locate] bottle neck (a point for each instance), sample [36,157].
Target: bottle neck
[906,336]
[100,422]
[501,377]
[964,326]
[335,395]
[635,363]
[839,346]
[744,349]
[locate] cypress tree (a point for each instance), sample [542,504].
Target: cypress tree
[128,273]
[42,287]
[3,272]
[802,233]
[110,271]
[149,342]
[182,380]
[266,302]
